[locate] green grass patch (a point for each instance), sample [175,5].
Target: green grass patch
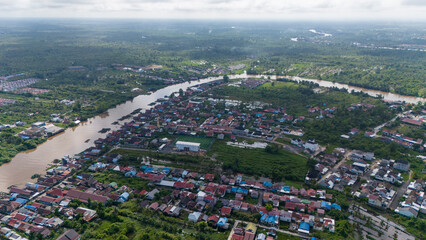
[283,140]
[118,177]
[295,184]
[251,200]
[278,84]
[278,166]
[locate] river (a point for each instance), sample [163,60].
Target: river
[72,141]
[374,93]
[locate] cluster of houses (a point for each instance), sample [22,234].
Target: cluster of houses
[414,122]
[311,145]
[199,193]
[42,207]
[206,196]
[201,116]
[333,179]
[414,199]
[248,233]
[13,85]
[345,174]
[10,234]
[325,162]
[34,91]
[6,101]
[143,71]
[386,170]
[379,194]
[393,136]
[40,129]
[327,112]
[408,118]
[362,106]
[29,209]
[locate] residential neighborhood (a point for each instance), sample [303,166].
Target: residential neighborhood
[217,200]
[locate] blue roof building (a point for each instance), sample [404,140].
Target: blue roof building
[222,221]
[123,197]
[325,204]
[263,217]
[267,184]
[304,228]
[336,206]
[31,207]
[14,195]
[21,200]
[242,191]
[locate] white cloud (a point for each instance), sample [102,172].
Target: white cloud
[229,9]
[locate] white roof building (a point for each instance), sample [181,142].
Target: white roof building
[188,146]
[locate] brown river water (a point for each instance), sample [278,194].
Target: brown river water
[374,93]
[72,141]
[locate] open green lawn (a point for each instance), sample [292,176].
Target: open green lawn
[278,84]
[283,140]
[118,177]
[205,142]
[279,166]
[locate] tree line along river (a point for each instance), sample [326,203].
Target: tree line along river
[73,140]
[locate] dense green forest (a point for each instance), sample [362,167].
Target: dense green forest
[380,56]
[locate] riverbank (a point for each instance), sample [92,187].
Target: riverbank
[387,96]
[74,140]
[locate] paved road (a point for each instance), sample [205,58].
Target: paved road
[401,190]
[336,167]
[232,231]
[365,176]
[260,198]
[378,128]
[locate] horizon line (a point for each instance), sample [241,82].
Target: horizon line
[330,20]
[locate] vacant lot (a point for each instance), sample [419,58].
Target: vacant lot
[281,165]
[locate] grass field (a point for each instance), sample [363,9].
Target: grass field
[205,142]
[278,84]
[118,177]
[279,166]
[282,140]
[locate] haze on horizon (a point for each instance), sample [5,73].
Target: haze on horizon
[346,10]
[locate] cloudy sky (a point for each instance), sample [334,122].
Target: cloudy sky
[219,9]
